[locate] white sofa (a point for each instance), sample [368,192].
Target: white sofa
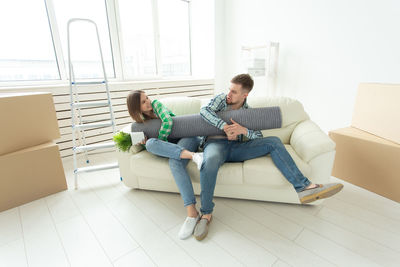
[259,179]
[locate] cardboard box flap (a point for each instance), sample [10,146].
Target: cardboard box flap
[26,119]
[377,110]
[357,133]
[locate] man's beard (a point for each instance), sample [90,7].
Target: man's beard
[231,102]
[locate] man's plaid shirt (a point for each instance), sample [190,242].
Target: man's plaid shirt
[218,103]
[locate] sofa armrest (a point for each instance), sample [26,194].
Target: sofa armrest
[134,148]
[309,141]
[124,162]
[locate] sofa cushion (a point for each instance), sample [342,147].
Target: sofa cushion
[263,171]
[145,164]
[230,173]
[283,133]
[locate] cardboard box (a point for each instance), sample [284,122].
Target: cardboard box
[29,174]
[367,161]
[26,119]
[377,110]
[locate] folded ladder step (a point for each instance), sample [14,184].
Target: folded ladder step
[94,146]
[92,82]
[97,168]
[91,104]
[89,121]
[92,125]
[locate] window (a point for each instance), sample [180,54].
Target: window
[139,39]
[174,37]
[84,46]
[26,48]
[137,28]
[141,21]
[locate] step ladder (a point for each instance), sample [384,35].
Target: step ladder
[80,126]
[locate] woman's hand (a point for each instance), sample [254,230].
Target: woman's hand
[144,141]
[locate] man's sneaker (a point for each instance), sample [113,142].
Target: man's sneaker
[319,192]
[198,159]
[201,230]
[188,227]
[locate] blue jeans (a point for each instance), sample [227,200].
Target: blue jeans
[178,166]
[218,151]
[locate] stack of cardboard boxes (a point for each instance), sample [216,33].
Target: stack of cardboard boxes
[368,152]
[30,163]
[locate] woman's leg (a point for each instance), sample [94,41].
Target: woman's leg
[181,176]
[184,183]
[186,154]
[167,149]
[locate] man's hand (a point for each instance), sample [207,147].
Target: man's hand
[233,130]
[229,134]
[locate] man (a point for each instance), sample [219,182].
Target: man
[242,144]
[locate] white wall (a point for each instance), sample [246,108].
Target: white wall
[327,47]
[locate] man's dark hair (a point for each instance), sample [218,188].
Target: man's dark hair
[244,80]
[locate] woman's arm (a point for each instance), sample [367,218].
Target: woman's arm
[164,114]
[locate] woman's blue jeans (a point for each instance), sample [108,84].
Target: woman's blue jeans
[177,165]
[218,151]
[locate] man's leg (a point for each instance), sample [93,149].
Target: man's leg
[306,191]
[214,155]
[255,148]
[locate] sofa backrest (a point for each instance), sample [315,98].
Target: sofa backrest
[292,111]
[182,105]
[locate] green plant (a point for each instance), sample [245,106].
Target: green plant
[123,141]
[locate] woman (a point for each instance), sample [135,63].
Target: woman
[178,151]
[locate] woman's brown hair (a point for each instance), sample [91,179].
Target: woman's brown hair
[133,102]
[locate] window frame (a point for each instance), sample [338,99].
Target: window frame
[114,27]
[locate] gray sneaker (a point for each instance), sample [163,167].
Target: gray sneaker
[319,192]
[201,230]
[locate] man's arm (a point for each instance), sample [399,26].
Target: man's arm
[253,134]
[208,113]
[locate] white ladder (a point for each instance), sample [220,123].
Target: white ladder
[76,106]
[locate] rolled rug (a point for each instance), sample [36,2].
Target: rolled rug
[195,125]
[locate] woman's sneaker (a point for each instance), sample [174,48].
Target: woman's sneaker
[319,192]
[198,159]
[188,227]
